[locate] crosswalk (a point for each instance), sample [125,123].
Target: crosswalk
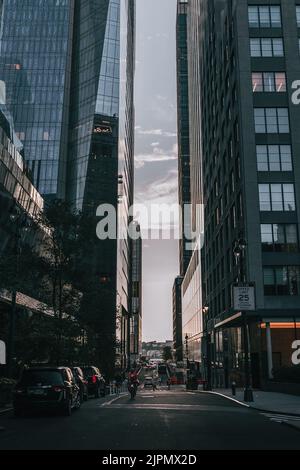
[278,418]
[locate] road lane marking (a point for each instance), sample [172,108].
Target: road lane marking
[228,398]
[176,407]
[107,403]
[279,418]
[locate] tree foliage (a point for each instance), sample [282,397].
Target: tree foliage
[167,353]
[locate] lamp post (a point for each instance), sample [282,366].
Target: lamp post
[205,311]
[187,356]
[239,253]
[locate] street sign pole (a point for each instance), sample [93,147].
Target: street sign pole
[244,300]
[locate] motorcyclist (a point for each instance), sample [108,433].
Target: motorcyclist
[133,380]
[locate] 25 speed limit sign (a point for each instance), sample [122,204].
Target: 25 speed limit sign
[244,298]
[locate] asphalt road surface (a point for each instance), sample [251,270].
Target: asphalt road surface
[162,420]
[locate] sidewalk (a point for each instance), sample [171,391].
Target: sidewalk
[279,403]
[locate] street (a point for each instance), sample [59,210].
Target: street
[162,420]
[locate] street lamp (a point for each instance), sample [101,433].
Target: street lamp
[239,253]
[187,351]
[205,311]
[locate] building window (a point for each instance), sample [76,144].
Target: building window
[282,280]
[266,47]
[298,15]
[264,16]
[274,158]
[271,120]
[279,238]
[269,82]
[277,197]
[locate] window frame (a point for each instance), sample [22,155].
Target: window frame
[269,11]
[264,44]
[277,288]
[260,85]
[273,197]
[273,245]
[271,120]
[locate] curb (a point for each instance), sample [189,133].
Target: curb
[250,406]
[5,410]
[290,425]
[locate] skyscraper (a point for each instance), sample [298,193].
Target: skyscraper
[183,130]
[137,297]
[192,282]
[184,173]
[35,64]
[249,62]
[68,68]
[177,319]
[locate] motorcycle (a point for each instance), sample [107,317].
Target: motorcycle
[132,388]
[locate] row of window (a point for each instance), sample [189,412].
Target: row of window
[268,16]
[277,197]
[266,47]
[271,120]
[269,82]
[274,158]
[279,238]
[282,280]
[264,16]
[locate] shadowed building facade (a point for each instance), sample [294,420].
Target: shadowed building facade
[248,63]
[68,68]
[184,189]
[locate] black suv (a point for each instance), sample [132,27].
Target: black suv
[96,382]
[46,388]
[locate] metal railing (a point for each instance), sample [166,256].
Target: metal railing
[113,389]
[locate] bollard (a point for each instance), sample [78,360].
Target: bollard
[233,388]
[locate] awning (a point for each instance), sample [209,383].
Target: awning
[263,316]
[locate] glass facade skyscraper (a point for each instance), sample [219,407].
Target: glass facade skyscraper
[68,70]
[192,283]
[35,64]
[184,187]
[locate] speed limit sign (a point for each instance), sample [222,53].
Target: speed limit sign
[244,298]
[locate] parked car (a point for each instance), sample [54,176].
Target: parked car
[46,388]
[148,382]
[96,382]
[81,382]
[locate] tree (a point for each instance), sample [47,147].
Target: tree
[167,353]
[57,265]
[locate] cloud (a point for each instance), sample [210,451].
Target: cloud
[162,190]
[161,98]
[158,155]
[155,144]
[157,132]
